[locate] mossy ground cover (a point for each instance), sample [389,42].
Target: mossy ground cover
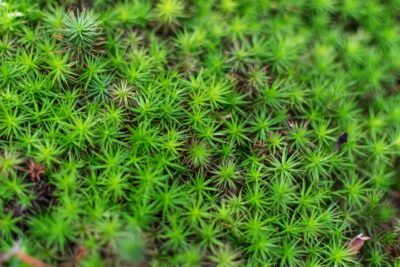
[199,133]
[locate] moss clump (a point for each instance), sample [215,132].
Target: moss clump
[194,133]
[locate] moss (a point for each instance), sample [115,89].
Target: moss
[193,133]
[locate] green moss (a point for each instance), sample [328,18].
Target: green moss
[194,133]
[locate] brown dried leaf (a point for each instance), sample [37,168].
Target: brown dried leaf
[357,243]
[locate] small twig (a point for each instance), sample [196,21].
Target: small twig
[22,256]
[27,259]
[7,256]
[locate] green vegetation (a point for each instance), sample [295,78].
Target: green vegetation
[200,133]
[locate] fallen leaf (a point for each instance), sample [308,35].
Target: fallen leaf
[357,243]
